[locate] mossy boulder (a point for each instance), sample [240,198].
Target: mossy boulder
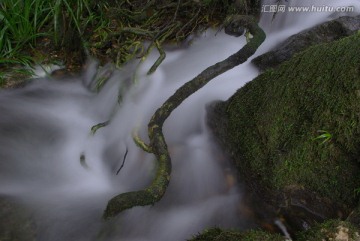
[293,132]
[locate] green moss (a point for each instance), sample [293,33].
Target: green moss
[275,119]
[217,234]
[331,230]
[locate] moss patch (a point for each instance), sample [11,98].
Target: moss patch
[217,234]
[274,121]
[329,230]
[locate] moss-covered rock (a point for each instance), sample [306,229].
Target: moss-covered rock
[217,234]
[295,131]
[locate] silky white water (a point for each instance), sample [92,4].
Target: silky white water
[45,128]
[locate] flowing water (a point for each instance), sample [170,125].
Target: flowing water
[45,128]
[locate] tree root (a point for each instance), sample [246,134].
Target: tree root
[98,126]
[158,146]
[140,143]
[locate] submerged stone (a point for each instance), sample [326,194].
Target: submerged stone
[15,222]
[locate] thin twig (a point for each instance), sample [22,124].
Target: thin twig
[123,162]
[176,11]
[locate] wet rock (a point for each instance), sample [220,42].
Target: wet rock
[323,33]
[293,135]
[308,207]
[15,222]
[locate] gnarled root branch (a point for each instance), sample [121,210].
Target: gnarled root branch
[158,146]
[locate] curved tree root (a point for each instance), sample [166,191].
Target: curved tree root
[158,146]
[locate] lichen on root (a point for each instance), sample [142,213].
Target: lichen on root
[158,146]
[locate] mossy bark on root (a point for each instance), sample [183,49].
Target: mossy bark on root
[158,144]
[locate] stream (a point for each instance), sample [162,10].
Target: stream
[45,129]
